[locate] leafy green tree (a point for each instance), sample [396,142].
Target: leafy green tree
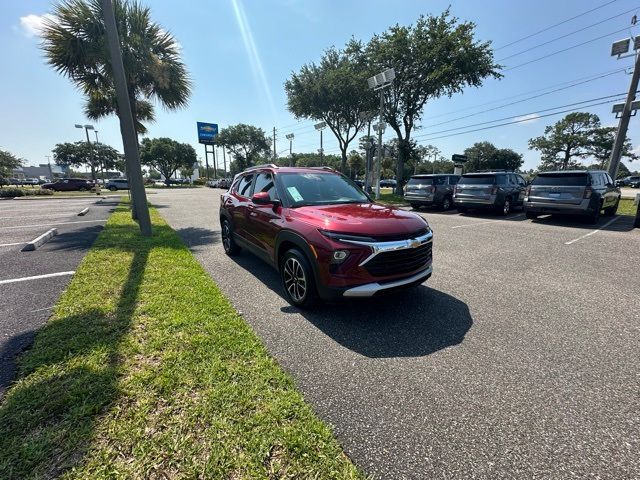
[314,159]
[166,156]
[486,156]
[566,141]
[8,163]
[247,144]
[436,56]
[601,146]
[334,91]
[355,164]
[77,154]
[74,43]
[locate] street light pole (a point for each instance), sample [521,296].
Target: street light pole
[320,126]
[86,131]
[379,82]
[127,128]
[290,137]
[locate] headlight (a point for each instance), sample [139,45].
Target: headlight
[337,236]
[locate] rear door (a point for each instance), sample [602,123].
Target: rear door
[476,187]
[559,188]
[240,205]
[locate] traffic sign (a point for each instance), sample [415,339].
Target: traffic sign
[207,133]
[459,158]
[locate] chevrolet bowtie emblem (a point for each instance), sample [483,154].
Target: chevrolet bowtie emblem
[413,243]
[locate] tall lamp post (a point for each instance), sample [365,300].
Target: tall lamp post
[378,83]
[367,117]
[290,137]
[625,110]
[321,126]
[86,131]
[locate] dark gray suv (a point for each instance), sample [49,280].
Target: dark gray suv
[573,192]
[429,190]
[501,191]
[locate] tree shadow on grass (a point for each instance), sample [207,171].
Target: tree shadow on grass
[70,376]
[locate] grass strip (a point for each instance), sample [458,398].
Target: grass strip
[626,207]
[145,370]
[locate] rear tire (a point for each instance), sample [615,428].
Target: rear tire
[231,248]
[446,203]
[112,188]
[297,279]
[505,208]
[611,211]
[594,217]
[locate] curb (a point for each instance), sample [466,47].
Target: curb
[41,240]
[83,212]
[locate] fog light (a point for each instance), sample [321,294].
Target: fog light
[339,256]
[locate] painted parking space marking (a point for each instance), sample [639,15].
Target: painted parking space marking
[488,222]
[36,277]
[11,244]
[50,224]
[593,231]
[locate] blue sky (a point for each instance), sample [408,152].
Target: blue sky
[240,52]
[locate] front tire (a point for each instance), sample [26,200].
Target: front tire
[112,188]
[611,211]
[297,279]
[505,208]
[231,248]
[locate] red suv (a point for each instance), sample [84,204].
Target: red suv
[323,234]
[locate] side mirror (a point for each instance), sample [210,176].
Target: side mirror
[263,198]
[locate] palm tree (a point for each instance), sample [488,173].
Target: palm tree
[75,44]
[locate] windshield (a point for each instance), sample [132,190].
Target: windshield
[562,179]
[478,180]
[320,189]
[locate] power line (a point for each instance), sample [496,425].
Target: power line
[566,35]
[555,25]
[518,121]
[565,49]
[523,99]
[521,115]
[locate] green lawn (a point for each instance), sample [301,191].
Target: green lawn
[626,207]
[149,372]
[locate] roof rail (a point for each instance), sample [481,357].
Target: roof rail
[265,165]
[323,168]
[493,170]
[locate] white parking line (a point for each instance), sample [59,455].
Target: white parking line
[592,232]
[11,244]
[490,221]
[36,277]
[49,224]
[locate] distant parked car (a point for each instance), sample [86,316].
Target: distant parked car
[501,191]
[576,192]
[69,185]
[114,184]
[360,183]
[390,183]
[628,181]
[30,181]
[430,190]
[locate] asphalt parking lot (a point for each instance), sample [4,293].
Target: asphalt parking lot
[517,359]
[31,282]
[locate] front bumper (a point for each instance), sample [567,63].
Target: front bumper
[370,289]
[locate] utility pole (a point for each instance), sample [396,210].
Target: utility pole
[224,159]
[215,164]
[127,129]
[625,116]
[48,157]
[379,127]
[274,144]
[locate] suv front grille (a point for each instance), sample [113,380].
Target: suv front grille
[399,261]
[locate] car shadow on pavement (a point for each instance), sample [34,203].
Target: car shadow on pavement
[410,323]
[623,223]
[197,237]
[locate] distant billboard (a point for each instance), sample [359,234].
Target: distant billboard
[207,132]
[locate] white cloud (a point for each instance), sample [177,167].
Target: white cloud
[32,24]
[532,117]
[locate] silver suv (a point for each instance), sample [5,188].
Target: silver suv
[574,192]
[117,184]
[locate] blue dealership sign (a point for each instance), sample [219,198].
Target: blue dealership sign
[207,132]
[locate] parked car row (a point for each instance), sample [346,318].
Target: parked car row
[584,193]
[632,181]
[220,183]
[69,185]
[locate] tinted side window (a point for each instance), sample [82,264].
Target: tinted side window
[264,183]
[501,179]
[439,180]
[520,181]
[244,187]
[453,180]
[608,178]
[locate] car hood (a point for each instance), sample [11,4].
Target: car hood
[367,219]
